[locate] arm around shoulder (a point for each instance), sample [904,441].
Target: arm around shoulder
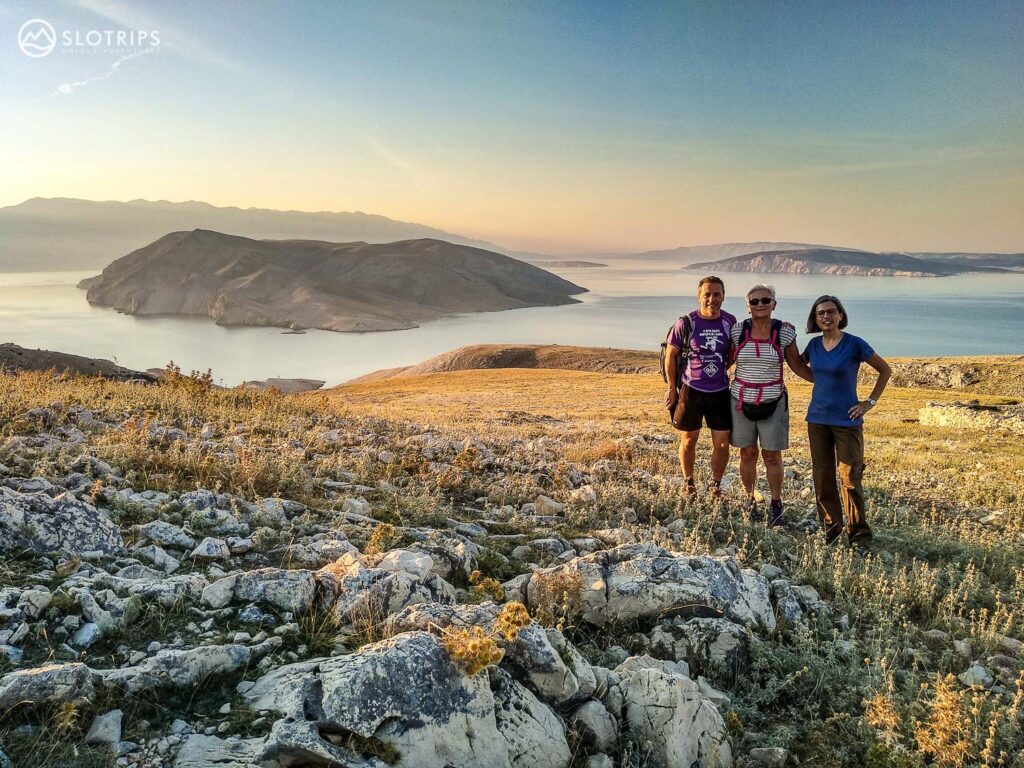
[798,364]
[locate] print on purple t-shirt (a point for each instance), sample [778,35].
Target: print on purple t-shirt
[708,355]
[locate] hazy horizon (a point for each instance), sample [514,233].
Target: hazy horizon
[565,129]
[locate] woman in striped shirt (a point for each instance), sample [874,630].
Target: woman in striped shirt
[759,399]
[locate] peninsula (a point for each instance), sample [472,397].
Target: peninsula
[831,261]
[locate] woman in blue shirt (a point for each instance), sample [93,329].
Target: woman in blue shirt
[835,419]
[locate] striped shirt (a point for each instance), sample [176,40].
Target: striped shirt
[758,363]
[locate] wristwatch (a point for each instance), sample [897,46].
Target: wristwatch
[872,402]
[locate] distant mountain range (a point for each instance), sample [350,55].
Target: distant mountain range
[846,262]
[316,284]
[690,254]
[49,234]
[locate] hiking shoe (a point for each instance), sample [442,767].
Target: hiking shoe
[776,516]
[716,491]
[861,547]
[691,488]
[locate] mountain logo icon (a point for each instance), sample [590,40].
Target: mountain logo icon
[37,38]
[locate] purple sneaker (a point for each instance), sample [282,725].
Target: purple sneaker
[776,517]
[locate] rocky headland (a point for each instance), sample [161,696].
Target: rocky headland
[313,284]
[834,261]
[494,567]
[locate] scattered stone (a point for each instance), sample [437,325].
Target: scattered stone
[770,757]
[105,730]
[976,676]
[210,549]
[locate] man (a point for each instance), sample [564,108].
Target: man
[701,340]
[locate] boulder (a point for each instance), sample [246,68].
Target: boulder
[292,591]
[179,668]
[405,694]
[49,684]
[64,524]
[643,581]
[165,534]
[672,719]
[595,726]
[357,595]
[706,645]
[200,751]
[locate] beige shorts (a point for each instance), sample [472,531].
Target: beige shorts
[772,434]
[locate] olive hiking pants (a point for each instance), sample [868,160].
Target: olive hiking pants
[839,448]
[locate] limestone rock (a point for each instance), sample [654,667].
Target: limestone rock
[675,721]
[49,684]
[643,581]
[285,590]
[359,595]
[179,668]
[105,729]
[417,564]
[211,549]
[165,534]
[705,644]
[595,725]
[770,757]
[533,733]
[200,751]
[64,524]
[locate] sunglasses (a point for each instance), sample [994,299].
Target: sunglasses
[826,312]
[755,302]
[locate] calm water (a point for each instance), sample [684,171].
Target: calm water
[627,307]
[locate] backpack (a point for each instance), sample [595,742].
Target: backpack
[681,355]
[758,410]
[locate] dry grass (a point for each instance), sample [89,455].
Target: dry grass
[806,688]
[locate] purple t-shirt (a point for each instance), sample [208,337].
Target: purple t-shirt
[708,355]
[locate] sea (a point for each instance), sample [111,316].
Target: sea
[626,306]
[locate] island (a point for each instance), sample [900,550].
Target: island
[314,284]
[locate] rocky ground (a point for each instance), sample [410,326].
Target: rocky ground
[195,577]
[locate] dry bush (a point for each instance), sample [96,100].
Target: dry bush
[472,649]
[512,618]
[557,597]
[485,587]
[381,540]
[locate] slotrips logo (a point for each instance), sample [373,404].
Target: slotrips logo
[37,38]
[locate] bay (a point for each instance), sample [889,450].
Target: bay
[626,307]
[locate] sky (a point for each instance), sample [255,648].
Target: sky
[557,127]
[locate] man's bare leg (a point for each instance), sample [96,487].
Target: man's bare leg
[719,453]
[688,453]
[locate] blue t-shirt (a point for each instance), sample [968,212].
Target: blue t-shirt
[835,379]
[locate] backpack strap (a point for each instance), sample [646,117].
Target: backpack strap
[774,337]
[684,353]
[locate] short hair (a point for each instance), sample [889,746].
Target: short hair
[759,287]
[812,324]
[711,279]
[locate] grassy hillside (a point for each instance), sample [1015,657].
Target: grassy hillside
[870,680]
